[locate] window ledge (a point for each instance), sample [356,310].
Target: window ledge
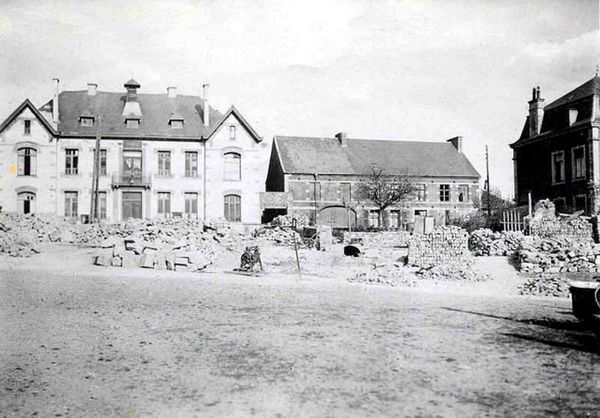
[27,175]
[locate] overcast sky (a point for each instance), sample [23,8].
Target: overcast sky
[413,70]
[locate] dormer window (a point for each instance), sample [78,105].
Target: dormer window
[86,121]
[132,123]
[572,116]
[176,123]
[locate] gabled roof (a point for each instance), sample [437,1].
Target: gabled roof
[308,155]
[589,88]
[28,105]
[233,111]
[154,123]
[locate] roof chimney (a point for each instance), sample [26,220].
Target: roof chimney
[172,92]
[343,138]
[206,114]
[92,89]
[55,102]
[536,112]
[132,107]
[456,142]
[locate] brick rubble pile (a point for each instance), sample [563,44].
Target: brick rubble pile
[286,221]
[455,270]
[576,227]
[546,285]
[485,242]
[279,235]
[444,245]
[389,275]
[385,239]
[559,254]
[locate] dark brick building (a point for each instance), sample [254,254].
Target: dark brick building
[318,177]
[558,153]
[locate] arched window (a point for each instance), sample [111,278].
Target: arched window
[26,161]
[233,208]
[233,166]
[26,202]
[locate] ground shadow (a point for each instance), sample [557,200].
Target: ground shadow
[590,344]
[552,324]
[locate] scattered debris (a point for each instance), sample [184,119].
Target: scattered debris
[559,254]
[546,285]
[457,270]
[488,243]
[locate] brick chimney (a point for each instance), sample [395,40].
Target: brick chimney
[172,92]
[206,114]
[536,112]
[92,89]
[343,138]
[456,142]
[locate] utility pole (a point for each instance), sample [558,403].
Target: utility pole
[487,181]
[96,175]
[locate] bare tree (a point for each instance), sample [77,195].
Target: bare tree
[385,190]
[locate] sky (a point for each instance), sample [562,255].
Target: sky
[403,70]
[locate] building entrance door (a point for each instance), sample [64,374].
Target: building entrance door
[132,205]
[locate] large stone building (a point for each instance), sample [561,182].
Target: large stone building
[558,153]
[318,177]
[161,155]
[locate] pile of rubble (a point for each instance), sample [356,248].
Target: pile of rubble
[184,255]
[384,239]
[286,221]
[279,235]
[444,245]
[457,270]
[389,275]
[559,254]
[485,242]
[545,223]
[545,285]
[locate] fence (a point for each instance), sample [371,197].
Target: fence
[512,221]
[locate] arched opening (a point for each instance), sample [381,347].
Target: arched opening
[337,217]
[26,201]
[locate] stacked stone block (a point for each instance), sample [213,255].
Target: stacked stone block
[446,244]
[386,239]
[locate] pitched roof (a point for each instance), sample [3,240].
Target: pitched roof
[154,123]
[589,88]
[27,104]
[306,155]
[233,111]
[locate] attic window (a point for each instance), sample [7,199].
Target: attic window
[572,116]
[86,121]
[132,123]
[176,123]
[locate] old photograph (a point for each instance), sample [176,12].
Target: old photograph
[277,208]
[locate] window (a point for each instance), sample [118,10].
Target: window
[176,123]
[72,161]
[444,192]
[232,132]
[463,193]
[71,204]
[580,202]
[233,208]
[86,121]
[374,219]
[103,162]
[578,162]
[191,205]
[102,205]
[26,161]
[345,192]
[132,123]
[191,164]
[561,204]
[233,166]
[27,127]
[572,116]
[164,163]
[164,203]
[558,167]
[395,221]
[421,192]
[26,202]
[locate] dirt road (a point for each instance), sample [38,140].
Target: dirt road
[113,343]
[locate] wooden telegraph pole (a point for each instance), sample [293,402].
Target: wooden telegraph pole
[487,181]
[96,175]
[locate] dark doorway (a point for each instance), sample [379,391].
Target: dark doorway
[132,205]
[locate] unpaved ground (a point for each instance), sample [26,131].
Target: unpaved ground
[94,341]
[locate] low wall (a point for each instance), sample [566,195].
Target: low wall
[385,239]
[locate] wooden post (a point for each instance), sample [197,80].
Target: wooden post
[487,181]
[294,225]
[96,172]
[530,203]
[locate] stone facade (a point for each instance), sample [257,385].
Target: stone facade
[54,187]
